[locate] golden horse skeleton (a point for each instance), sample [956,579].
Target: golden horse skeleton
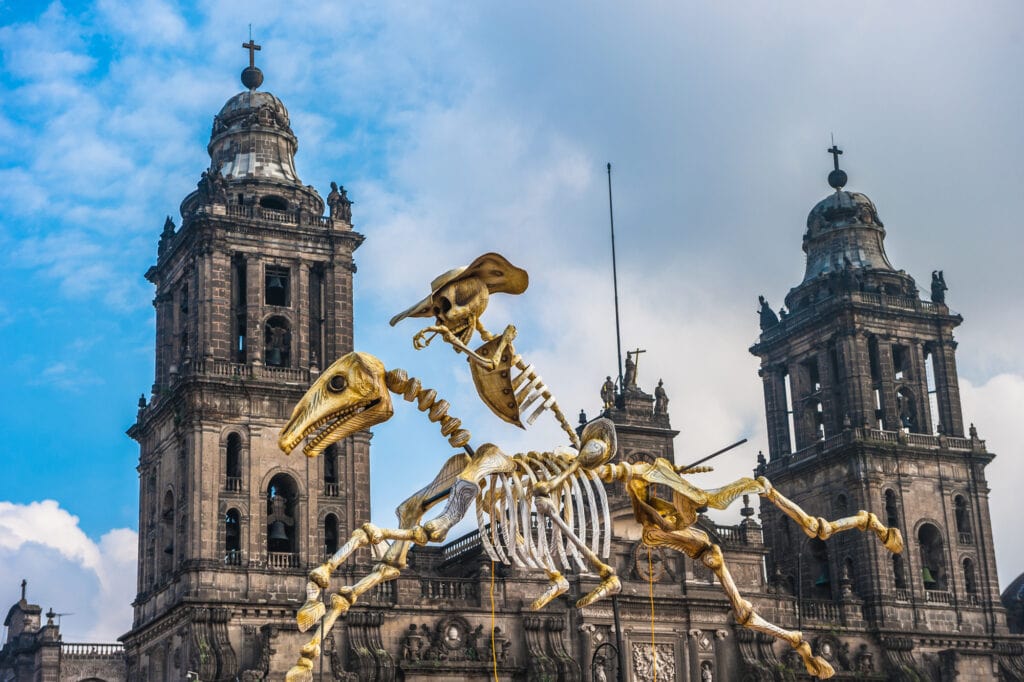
[352,395]
[562,485]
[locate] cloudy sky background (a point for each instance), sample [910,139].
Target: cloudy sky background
[460,129]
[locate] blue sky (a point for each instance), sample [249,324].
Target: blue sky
[461,129]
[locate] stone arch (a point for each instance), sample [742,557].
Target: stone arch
[282,509]
[962,517]
[931,546]
[232,525]
[278,340]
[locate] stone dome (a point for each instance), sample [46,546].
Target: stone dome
[252,100]
[844,231]
[252,139]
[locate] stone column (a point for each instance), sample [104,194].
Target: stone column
[887,389]
[254,310]
[855,377]
[300,304]
[919,380]
[832,422]
[947,388]
[776,408]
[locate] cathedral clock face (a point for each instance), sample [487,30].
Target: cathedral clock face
[649,567]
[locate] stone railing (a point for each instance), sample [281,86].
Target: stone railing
[731,534]
[868,435]
[965,538]
[455,590]
[938,597]
[910,303]
[233,484]
[467,544]
[332,489]
[219,368]
[972,600]
[282,560]
[825,611]
[77,650]
[902,594]
[382,593]
[233,558]
[270,215]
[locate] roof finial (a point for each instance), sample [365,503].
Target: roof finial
[24,584]
[837,178]
[252,77]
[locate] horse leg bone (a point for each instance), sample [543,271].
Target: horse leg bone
[823,529]
[696,544]
[610,583]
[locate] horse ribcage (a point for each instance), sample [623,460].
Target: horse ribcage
[512,531]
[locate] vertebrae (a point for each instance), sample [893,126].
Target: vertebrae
[410,388]
[530,388]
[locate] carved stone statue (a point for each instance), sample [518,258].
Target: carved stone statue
[705,672]
[938,287]
[338,201]
[608,393]
[660,399]
[213,187]
[768,318]
[629,380]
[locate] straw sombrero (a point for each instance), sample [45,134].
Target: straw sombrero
[500,276]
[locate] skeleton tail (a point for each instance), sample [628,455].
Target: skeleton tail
[511,530]
[529,389]
[426,401]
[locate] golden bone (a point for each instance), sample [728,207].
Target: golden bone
[670,524]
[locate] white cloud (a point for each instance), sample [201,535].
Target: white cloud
[996,409]
[69,571]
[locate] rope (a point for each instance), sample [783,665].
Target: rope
[494,653]
[650,577]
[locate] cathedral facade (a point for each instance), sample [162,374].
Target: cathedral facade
[254,297]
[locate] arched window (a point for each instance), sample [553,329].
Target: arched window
[232,538]
[899,574]
[330,457]
[970,580]
[933,560]
[330,535]
[282,535]
[277,339]
[233,463]
[821,575]
[892,514]
[167,535]
[963,520]
[842,506]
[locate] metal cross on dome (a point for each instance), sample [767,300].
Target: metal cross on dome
[834,151]
[252,47]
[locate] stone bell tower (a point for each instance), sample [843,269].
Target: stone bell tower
[863,412]
[253,297]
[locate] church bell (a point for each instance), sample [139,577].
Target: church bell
[276,283]
[927,577]
[274,356]
[277,532]
[823,579]
[169,549]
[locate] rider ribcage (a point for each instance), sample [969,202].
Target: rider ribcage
[514,531]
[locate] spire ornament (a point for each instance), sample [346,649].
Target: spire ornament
[837,178]
[252,77]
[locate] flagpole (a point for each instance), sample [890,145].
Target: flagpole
[615,276]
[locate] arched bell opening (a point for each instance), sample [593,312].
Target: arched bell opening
[933,561]
[282,530]
[277,339]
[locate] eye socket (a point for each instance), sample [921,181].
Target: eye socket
[446,305]
[337,383]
